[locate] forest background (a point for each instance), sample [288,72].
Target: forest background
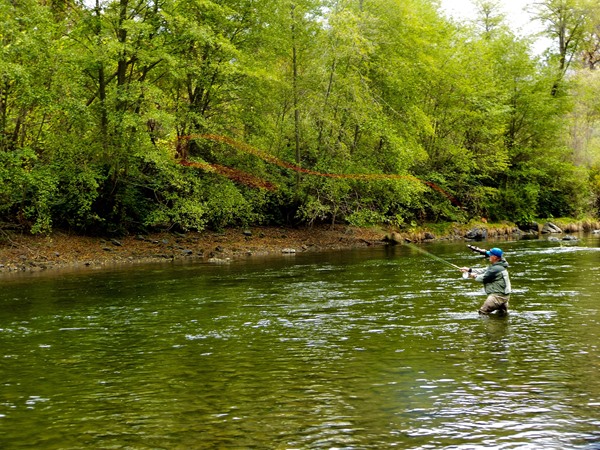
[134,115]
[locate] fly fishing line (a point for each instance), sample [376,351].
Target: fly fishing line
[432,256]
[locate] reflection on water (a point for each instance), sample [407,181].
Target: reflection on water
[365,349]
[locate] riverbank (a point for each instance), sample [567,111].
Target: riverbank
[21,252]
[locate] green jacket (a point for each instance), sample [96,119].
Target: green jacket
[495,278]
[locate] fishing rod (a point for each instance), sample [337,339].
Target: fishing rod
[481,251]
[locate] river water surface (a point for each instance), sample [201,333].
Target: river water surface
[365,349]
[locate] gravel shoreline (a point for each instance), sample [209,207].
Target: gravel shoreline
[21,252]
[27,253]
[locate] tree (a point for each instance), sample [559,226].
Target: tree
[566,22]
[584,119]
[489,15]
[29,63]
[591,43]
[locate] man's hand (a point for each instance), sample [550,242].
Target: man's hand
[467,272]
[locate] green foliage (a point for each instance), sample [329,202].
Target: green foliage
[516,203]
[212,202]
[193,199]
[442,121]
[29,190]
[594,183]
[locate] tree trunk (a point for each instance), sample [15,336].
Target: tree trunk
[101,83]
[295,95]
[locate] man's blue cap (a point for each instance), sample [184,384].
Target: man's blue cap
[494,251]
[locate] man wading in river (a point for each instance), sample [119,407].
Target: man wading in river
[495,282]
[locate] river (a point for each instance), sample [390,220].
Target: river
[365,349]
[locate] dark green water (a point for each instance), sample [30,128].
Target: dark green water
[367,349]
